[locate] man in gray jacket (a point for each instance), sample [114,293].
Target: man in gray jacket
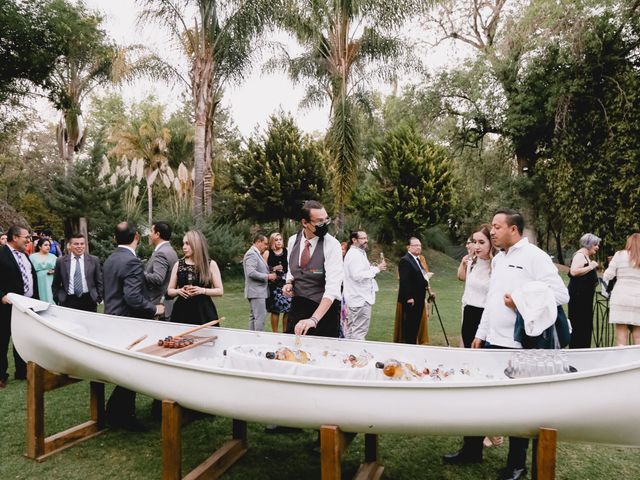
[157,272]
[256,281]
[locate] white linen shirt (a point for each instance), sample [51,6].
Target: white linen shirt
[523,263]
[332,263]
[359,284]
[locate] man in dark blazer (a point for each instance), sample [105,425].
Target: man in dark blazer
[17,275]
[157,272]
[124,295]
[77,278]
[411,316]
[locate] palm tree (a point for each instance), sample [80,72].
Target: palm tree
[147,137]
[218,40]
[347,43]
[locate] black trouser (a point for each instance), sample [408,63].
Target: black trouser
[470,320]
[302,308]
[411,318]
[5,336]
[84,302]
[121,406]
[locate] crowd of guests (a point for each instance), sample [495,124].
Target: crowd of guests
[320,287]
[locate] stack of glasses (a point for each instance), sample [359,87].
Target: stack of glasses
[536,363]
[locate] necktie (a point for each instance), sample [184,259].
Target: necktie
[306,254]
[77,279]
[23,270]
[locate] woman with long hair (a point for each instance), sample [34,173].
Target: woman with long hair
[195,279]
[624,304]
[277,302]
[582,287]
[477,269]
[44,263]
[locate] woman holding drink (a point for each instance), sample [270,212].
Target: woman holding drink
[195,279]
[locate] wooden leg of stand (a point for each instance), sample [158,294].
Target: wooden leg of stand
[330,452]
[97,404]
[35,410]
[370,469]
[547,443]
[171,441]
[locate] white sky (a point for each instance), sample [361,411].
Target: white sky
[252,102]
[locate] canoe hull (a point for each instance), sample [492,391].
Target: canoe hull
[583,407]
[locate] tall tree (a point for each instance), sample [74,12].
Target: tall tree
[145,136]
[414,186]
[346,44]
[29,47]
[219,42]
[277,173]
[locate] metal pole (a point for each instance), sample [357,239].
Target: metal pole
[435,306]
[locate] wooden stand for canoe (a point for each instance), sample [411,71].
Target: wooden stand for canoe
[334,442]
[212,467]
[40,381]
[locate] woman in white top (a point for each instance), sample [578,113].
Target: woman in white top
[475,271]
[624,304]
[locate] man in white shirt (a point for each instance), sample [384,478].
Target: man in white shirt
[517,264]
[315,275]
[360,286]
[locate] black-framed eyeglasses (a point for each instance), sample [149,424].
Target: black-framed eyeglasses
[326,222]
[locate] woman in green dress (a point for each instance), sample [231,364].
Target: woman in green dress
[44,263]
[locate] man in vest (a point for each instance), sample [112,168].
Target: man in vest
[315,275]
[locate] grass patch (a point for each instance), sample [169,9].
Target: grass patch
[118,454]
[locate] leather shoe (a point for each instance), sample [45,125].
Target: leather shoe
[513,474]
[461,458]
[20,376]
[3,383]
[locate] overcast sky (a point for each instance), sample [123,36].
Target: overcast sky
[252,102]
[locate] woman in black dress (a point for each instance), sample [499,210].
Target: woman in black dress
[582,286]
[195,279]
[277,303]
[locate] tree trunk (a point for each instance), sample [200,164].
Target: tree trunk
[559,253]
[198,167]
[149,207]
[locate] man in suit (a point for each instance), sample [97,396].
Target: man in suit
[17,276]
[157,272]
[77,277]
[124,295]
[256,281]
[411,314]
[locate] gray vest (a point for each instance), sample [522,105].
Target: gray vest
[309,282]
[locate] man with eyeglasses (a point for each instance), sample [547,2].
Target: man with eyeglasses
[411,313]
[360,286]
[18,276]
[315,275]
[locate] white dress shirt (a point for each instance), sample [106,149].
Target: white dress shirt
[476,285]
[510,270]
[332,262]
[85,289]
[360,286]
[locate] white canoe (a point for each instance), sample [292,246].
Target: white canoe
[232,378]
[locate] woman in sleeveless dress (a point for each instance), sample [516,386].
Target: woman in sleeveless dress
[582,287]
[277,302]
[44,263]
[195,279]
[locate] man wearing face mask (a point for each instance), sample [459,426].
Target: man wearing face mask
[360,286]
[315,275]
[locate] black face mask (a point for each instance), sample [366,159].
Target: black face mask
[322,230]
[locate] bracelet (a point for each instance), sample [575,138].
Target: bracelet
[314,320]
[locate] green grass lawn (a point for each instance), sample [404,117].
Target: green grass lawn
[119,454]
